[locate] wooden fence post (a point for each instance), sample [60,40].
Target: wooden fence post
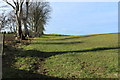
[1,53]
[3,43]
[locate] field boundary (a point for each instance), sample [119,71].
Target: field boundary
[1,52]
[1,44]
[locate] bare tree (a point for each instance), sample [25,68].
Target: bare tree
[3,20]
[7,21]
[38,16]
[18,8]
[32,15]
[12,21]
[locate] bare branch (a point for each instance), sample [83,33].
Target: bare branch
[9,4]
[21,3]
[14,2]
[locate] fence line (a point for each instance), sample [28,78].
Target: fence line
[1,52]
[1,44]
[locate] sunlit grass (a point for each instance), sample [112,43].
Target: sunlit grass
[86,56]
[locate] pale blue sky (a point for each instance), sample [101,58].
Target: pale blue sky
[80,18]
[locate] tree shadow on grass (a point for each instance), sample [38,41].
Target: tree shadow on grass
[10,72]
[36,53]
[11,53]
[73,37]
[59,42]
[23,75]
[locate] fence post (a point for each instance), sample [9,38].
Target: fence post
[1,53]
[3,43]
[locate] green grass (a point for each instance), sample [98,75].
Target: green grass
[86,56]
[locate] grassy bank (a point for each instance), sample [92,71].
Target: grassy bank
[86,56]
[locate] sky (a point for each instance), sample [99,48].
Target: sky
[81,18]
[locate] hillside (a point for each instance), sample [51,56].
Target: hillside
[85,56]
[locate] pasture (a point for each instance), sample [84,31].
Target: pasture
[62,57]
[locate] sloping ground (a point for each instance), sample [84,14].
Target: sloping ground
[86,56]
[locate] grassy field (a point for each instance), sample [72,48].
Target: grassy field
[55,56]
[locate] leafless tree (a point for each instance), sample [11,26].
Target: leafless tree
[18,9]
[3,20]
[12,21]
[39,14]
[32,15]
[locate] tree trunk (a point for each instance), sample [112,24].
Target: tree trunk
[19,16]
[25,20]
[19,28]
[26,28]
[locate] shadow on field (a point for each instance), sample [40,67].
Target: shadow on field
[59,42]
[74,37]
[25,75]
[85,36]
[9,72]
[35,53]
[11,53]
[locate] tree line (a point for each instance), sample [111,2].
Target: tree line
[26,19]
